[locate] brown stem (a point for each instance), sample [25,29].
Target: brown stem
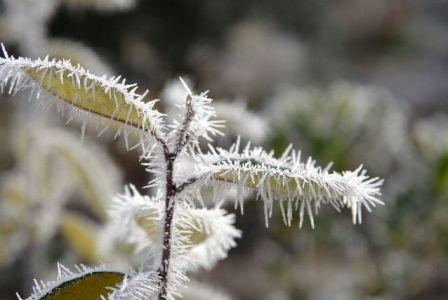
[166,239]
[171,191]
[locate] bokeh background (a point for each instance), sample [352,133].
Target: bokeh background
[352,82]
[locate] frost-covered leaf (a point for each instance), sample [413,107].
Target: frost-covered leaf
[86,283]
[202,235]
[85,92]
[294,184]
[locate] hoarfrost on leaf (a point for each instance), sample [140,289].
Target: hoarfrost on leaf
[85,93]
[293,183]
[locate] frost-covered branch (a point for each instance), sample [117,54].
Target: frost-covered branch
[198,120]
[182,133]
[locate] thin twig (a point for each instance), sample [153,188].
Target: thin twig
[186,183]
[182,134]
[169,213]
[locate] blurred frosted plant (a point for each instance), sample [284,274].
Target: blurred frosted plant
[100,5]
[431,136]
[200,291]
[241,121]
[78,54]
[344,122]
[177,235]
[256,58]
[24,22]
[50,163]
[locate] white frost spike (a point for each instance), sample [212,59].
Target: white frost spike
[184,84]
[137,286]
[301,185]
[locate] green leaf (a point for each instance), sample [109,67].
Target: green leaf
[90,286]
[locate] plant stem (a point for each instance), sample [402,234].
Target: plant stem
[169,212]
[171,191]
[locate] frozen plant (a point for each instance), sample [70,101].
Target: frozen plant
[178,234]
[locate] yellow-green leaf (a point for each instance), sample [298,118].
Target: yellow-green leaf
[110,98]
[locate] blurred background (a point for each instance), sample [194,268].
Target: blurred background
[350,82]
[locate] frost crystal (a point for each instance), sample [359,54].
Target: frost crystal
[294,184]
[137,286]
